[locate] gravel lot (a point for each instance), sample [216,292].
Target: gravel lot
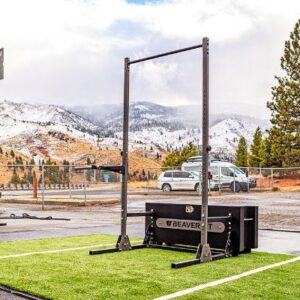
[277,211]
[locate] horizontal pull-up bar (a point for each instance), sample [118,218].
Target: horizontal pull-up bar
[164,54]
[141,214]
[116,169]
[220,218]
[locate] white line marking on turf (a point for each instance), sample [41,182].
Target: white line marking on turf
[58,250]
[54,251]
[224,280]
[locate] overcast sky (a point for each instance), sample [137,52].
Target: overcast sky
[71,51]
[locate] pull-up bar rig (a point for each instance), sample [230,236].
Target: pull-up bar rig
[203,253]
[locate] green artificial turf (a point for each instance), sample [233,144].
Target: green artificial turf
[274,284]
[138,274]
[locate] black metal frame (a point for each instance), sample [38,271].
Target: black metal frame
[175,226]
[2,77]
[203,253]
[214,254]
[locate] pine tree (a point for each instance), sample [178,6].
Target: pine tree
[15,179]
[284,134]
[263,155]
[25,178]
[12,153]
[242,153]
[255,158]
[176,158]
[1,151]
[21,163]
[171,160]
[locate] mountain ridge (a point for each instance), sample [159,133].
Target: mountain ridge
[152,126]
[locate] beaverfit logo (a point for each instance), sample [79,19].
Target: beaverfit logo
[192,225]
[184,224]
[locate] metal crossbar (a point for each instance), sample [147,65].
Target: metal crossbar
[164,54]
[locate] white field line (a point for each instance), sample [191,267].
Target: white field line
[224,280]
[56,251]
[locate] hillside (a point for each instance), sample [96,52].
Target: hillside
[41,131]
[75,151]
[8,157]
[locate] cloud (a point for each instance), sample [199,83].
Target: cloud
[192,19]
[72,51]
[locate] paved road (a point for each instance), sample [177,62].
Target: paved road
[277,211]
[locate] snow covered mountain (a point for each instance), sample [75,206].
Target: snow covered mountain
[152,126]
[142,115]
[173,127]
[25,118]
[26,127]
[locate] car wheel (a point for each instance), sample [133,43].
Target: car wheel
[237,186]
[197,189]
[166,187]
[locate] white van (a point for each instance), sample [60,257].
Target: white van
[172,180]
[223,173]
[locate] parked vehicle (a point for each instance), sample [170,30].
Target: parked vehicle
[178,180]
[224,174]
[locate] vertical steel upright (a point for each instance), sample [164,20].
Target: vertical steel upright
[123,242]
[1,63]
[204,252]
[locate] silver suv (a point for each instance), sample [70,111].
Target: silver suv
[178,180]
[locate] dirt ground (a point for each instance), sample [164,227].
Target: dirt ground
[277,210]
[278,183]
